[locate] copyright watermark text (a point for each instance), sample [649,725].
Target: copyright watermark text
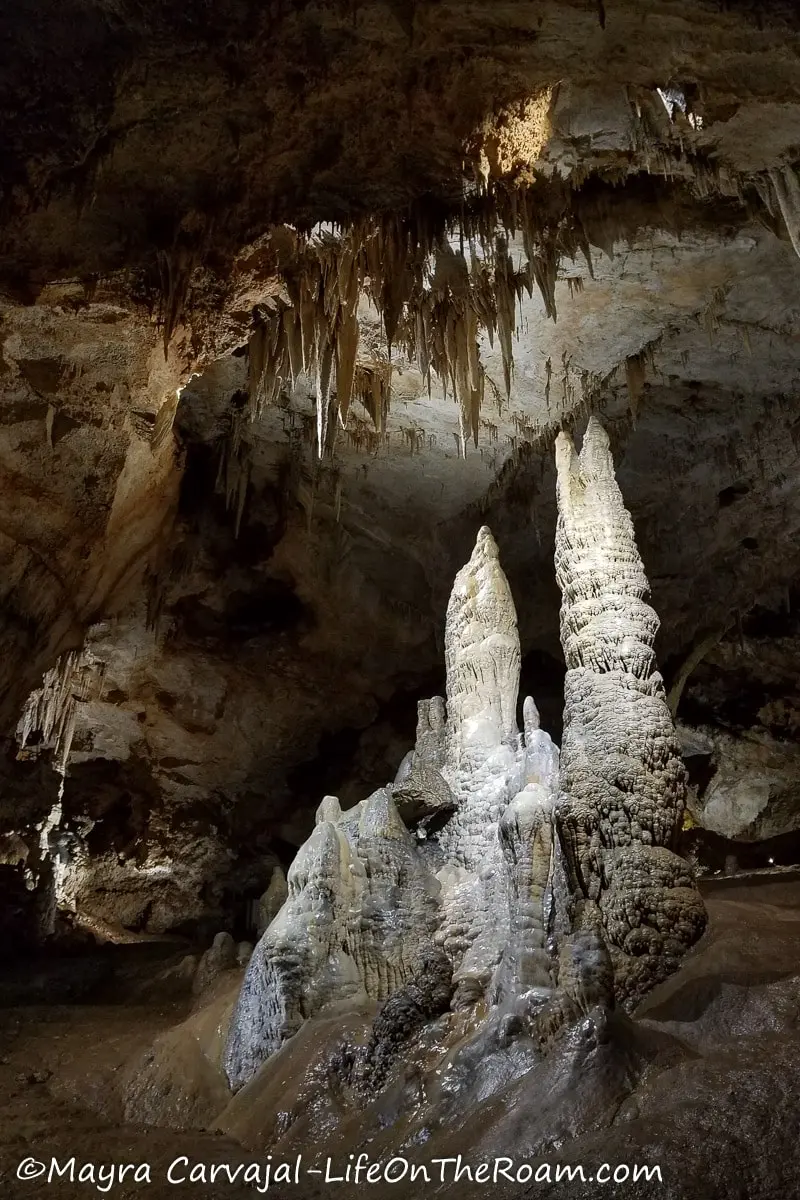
[359,1169]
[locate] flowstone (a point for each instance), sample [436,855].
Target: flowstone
[539,885]
[360,911]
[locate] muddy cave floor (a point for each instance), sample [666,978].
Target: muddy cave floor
[717,1110]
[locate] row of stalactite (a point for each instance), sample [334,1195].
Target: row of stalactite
[434,301]
[51,710]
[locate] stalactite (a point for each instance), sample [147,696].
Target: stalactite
[175,270]
[372,388]
[51,709]
[432,302]
[234,470]
[176,267]
[787,191]
[257,362]
[635,378]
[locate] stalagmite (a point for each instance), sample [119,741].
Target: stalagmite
[541,887]
[368,902]
[482,656]
[622,782]
[432,303]
[484,765]
[299,963]
[360,911]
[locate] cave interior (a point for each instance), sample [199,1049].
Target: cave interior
[400,591]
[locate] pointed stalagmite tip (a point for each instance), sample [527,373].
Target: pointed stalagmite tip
[530,714]
[596,462]
[565,446]
[485,543]
[595,438]
[329,810]
[567,464]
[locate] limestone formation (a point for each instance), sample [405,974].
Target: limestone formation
[405,1013]
[367,902]
[787,191]
[544,889]
[356,223]
[484,766]
[526,834]
[220,956]
[537,895]
[420,791]
[482,657]
[622,785]
[422,795]
[360,910]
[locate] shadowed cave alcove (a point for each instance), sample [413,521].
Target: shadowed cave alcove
[399,594]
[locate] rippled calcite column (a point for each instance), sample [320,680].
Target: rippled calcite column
[622,781]
[393,921]
[482,751]
[527,838]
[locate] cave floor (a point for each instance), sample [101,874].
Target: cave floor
[721,1118]
[59,1097]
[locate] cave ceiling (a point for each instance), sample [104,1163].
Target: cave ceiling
[172,178]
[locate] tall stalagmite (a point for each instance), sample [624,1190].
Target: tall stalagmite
[622,783]
[521,885]
[483,764]
[372,910]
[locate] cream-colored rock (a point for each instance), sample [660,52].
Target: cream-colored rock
[482,657]
[753,793]
[368,903]
[622,783]
[360,909]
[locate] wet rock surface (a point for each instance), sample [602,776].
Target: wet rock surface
[708,1059]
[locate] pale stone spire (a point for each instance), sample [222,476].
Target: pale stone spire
[622,781]
[482,655]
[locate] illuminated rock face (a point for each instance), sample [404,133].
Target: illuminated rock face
[484,763]
[360,914]
[539,886]
[370,906]
[622,784]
